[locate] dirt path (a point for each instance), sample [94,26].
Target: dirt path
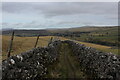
[67,66]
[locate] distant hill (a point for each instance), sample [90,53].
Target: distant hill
[45,32]
[26,32]
[86,29]
[7,29]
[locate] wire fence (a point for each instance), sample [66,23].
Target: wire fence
[34,45]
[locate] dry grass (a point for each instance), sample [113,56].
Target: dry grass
[101,47]
[22,44]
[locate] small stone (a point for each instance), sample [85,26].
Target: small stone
[12,61]
[114,58]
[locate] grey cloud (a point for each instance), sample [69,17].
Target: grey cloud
[14,7]
[4,23]
[62,13]
[81,8]
[23,25]
[62,8]
[68,22]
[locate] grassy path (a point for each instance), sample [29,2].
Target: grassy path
[67,65]
[70,68]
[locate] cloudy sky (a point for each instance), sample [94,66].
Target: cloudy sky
[42,15]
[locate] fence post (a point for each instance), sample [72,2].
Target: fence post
[10,44]
[50,41]
[36,41]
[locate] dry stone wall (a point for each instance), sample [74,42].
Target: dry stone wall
[97,63]
[32,65]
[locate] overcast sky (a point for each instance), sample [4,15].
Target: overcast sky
[41,15]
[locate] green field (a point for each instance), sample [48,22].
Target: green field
[102,35]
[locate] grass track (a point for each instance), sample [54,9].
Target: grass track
[67,66]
